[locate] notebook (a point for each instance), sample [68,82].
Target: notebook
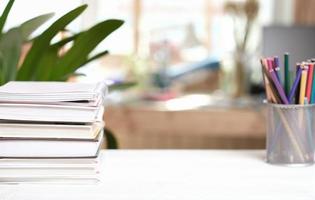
[66,179]
[39,172]
[50,113]
[75,175]
[50,148]
[40,92]
[52,162]
[35,130]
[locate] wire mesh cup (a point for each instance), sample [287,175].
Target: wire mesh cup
[290,134]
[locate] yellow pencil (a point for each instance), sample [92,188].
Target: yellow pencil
[303,84]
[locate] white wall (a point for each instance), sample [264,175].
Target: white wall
[283,12]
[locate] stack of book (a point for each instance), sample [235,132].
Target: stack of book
[50,131]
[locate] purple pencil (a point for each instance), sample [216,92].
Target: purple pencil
[276,66]
[277,83]
[295,84]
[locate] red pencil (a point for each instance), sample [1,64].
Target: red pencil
[309,80]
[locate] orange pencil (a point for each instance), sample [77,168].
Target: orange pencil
[309,80]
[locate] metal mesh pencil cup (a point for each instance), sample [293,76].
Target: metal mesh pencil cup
[290,137]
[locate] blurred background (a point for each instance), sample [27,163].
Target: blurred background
[195,64]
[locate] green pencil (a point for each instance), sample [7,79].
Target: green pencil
[286,74]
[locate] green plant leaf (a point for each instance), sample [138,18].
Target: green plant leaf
[66,76]
[28,69]
[28,27]
[121,86]
[97,56]
[5,14]
[66,40]
[111,141]
[46,64]
[51,57]
[75,74]
[78,74]
[10,48]
[85,62]
[83,46]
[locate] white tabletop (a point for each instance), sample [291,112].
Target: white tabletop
[181,174]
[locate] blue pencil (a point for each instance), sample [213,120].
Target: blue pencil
[295,84]
[312,100]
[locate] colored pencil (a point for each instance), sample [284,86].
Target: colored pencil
[309,80]
[286,74]
[274,78]
[312,99]
[274,94]
[297,93]
[295,85]
[276,67]
[268,88]
[303,84]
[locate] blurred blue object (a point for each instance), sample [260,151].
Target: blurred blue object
[165,77]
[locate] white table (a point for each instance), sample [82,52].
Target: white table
[180,175]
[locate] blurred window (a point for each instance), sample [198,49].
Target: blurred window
[167,32]
[148,23]
[24,10]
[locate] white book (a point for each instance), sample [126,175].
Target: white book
[25,166]
[49,175]
[50,170]
[44,148]
[27,163]
[28,91]
[49,161]
[52,162]
[50,113]
[37,172]
[34,130]
[66,179]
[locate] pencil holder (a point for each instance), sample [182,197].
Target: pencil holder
[290,134]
